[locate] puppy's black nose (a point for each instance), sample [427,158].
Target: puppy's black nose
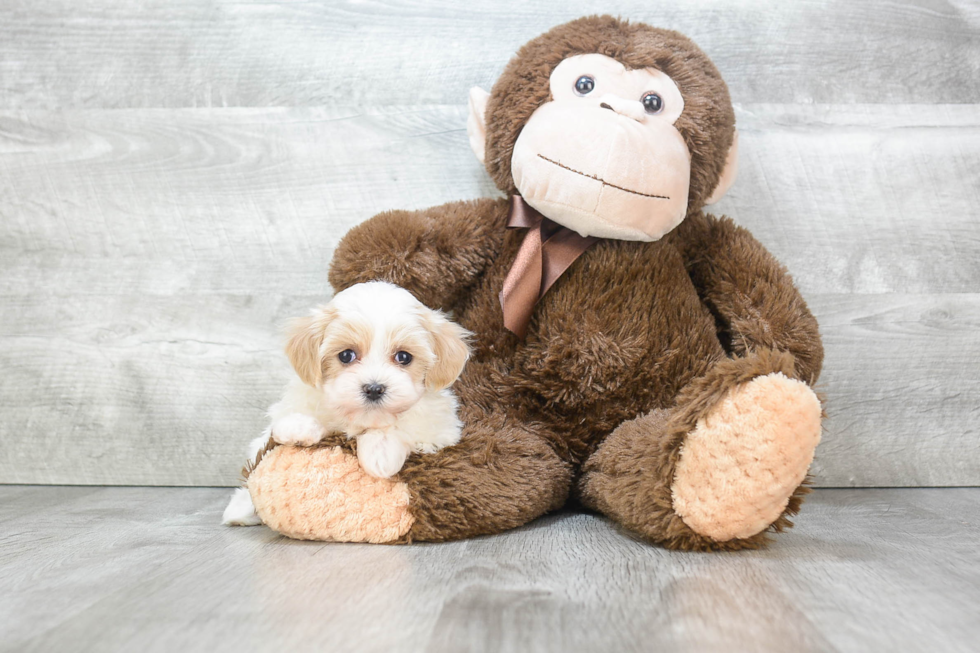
[373,391]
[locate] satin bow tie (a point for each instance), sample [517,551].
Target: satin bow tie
[547,251]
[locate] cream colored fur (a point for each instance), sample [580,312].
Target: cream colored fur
[302,418]
[417,411]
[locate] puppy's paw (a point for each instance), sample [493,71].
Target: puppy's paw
[240,511]
[298,430]
[381,453]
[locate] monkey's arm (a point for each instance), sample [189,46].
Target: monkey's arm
[750,293]
[435,253]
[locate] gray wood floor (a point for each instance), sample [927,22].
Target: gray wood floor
[174,176]
[150,569]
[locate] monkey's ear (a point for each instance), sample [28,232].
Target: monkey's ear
[728,174]
[476,123]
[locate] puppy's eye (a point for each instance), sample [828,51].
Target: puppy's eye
[347,356]
[584,85]
[403,358]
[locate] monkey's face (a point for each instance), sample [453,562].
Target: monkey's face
[603,157]
[607,153]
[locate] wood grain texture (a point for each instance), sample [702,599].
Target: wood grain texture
[150,569]
[175,175]
[60,54]
[903,389]
[148,257]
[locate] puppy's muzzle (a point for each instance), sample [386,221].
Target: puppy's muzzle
[373,392]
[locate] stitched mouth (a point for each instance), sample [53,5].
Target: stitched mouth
[602,181]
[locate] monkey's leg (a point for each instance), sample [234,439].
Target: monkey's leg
[502,474]
[718,470]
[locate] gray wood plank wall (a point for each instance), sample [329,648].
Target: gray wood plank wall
[175,174]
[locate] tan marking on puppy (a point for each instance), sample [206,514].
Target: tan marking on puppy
[391,404]
[451,351]
[740,465]
[304,339]
[346,332]
[416,342]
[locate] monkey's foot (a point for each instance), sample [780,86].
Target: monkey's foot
[742,462]
[321,493]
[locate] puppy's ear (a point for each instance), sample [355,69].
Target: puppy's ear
[450,348]
[305,336]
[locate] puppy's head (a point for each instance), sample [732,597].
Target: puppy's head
[375,350]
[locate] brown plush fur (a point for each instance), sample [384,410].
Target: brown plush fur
[630,347]
[629,478]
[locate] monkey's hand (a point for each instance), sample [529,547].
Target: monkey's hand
[750,293]
[436,253]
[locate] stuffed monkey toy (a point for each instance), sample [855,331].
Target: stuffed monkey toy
[630,352]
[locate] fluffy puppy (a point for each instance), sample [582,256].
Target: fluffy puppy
[375,364]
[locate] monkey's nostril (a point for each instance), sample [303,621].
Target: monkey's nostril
[606,106]
[373,391]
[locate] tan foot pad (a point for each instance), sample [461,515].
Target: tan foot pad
[323,494]
[741,464]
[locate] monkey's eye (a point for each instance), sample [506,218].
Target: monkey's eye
[652,103]
[584,85]
[403,357]
[347,356]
